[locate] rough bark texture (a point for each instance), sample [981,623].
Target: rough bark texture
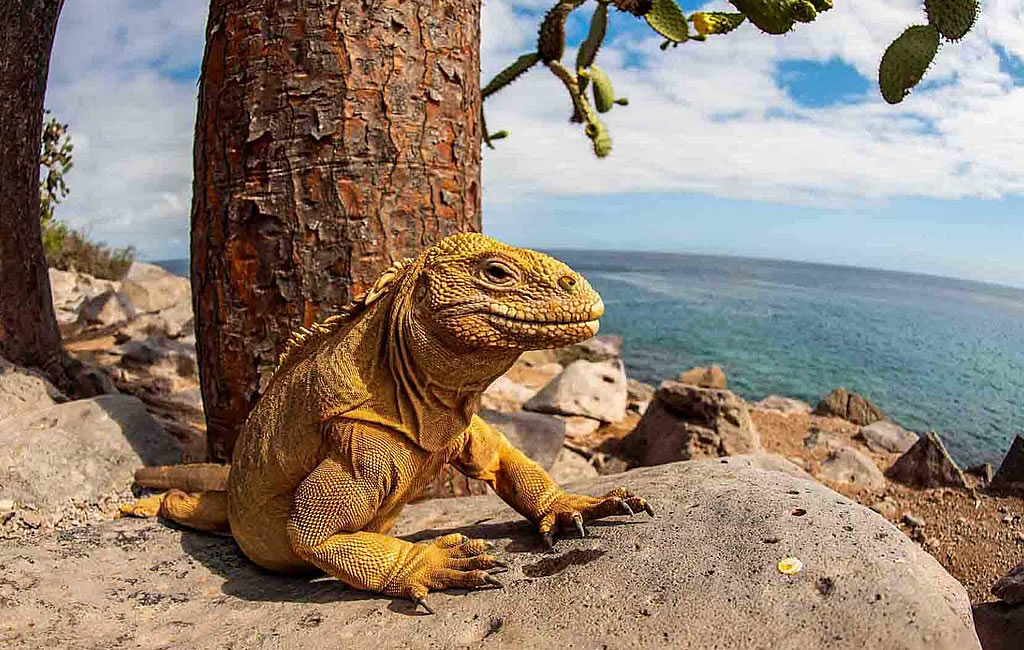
[28,327]
[332,138]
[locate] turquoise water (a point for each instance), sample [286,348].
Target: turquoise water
[934,353]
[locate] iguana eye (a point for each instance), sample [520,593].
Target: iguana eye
[497,272]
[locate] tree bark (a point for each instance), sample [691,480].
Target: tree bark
[332,138]
[29,335]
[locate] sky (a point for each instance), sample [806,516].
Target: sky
[745,144]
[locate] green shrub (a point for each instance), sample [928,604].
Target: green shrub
[67,249]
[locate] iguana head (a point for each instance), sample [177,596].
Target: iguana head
[477,292]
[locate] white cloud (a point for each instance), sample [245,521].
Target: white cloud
[709,117]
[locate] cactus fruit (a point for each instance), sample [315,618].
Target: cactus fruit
[604,94]
[953,18]
[590,45]
[599,138]
[510,74]
[666,18]
[906,60]
[716,22]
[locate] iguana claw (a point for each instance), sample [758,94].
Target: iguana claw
[423,602]
[577,519]
[491,580]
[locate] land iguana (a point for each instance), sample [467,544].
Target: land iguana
[367,407]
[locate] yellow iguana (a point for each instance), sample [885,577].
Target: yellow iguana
[367,407]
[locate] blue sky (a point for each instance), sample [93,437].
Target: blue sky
[746,144]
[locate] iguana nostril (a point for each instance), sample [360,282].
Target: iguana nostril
[568,283]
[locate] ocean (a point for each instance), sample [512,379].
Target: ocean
[934,353]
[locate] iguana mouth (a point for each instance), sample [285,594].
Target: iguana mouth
[537,319]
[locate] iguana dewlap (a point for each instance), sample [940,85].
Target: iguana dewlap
[366,408]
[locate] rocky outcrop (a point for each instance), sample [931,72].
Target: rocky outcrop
[70,289]
[852,407]
[685,422]
[22,391]
[849,466]
[537,435]
[570,466]
[163,301]
[162,356]
[1011,470]
[108,308]
[506,395]
[639,395]
[79,450]
[707,377]
[927,464]
[604,347]
[887,437]
[702,574]
[594,389]
[784,405]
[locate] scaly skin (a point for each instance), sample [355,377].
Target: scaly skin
[366,409]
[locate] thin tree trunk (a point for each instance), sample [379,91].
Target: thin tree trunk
[332,138]
[29,335]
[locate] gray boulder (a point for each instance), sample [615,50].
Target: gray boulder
[639,395]
[69,289]
[1011,470]
[537,435]
[506,395]
[79,450]
[784,405]
[151,288]
[709,377]
[23,391]
[847,465]
[686,422]
[1010,588]
[702,574]
[887,437]
[604,347]
[594,389]
[108,308]
[162,355]
[927,464]
[852,407]
[571,466]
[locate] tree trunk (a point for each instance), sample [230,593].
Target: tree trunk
[28,327]
[333,137]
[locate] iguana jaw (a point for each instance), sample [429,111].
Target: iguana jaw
[548,328]
[537,318]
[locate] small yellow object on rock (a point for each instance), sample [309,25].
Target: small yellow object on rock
[790,566]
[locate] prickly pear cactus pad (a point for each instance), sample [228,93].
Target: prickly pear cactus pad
[666,18]
[906,61]
[953,18]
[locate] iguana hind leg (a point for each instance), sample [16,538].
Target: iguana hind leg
[207,511]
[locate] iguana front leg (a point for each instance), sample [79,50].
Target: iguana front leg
[523,484]
[338,499]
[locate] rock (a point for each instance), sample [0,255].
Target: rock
[784,405]
[505,395]
[577,426]
[701,574]
[79,450]
[638,395]
[534,358]
[1010,588]
[151,288]
[708,377]
[927,464]
[1000,626]
[537,435]
[852,407]
[886,437]
[685,422]
[982,471]
[592,389]
[166,356]
[23,391]
[770,463]
[1011,470]
[70,289]
[173,322]
[108,308]
[816,438]
[90,381]
[912,520]
[847,465]
[887,508]
[605,347]
[571,466]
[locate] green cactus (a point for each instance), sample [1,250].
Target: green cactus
[953,18]
[715,22]
[822,5]
[777,16]
[599,138]
[551,39]
[804,11]
[604,94]
[510,74]
[595,36]
[666,18]
[906,60]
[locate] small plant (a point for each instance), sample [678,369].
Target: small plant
[67,249]
[901,68]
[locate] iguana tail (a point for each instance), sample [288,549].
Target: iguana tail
[206,508]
